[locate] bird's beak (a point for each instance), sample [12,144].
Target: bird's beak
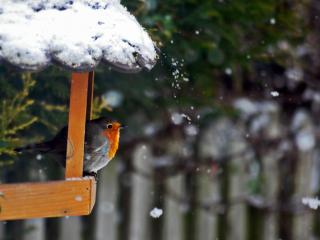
[123,126]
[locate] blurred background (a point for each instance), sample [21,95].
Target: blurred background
[223,133]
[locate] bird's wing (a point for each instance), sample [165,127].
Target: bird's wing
[96,142]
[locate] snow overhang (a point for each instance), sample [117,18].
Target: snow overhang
[77,35]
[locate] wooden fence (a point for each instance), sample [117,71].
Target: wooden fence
[234,179]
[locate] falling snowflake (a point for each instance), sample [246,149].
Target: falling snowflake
[313,203]
[273,21]
[274,94]
[156,212]
[228,71]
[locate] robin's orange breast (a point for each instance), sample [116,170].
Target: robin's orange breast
[113,138]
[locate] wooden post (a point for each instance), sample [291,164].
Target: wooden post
[71,228]
[36,229]
[302,221]
[80,110]
[90,95]
[270,161]
[107,215]
[173,215]
[207,221]
[141,202]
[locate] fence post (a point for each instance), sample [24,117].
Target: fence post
[34,229]
[209,192]
[71,228]
[223,140]
[237,165]
[142,198]
[107,203]
[270,162]
[237,212]
[174,210]
[303,129]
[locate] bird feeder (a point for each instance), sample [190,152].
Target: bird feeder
[77,35]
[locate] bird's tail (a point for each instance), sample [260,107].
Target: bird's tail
[37,147]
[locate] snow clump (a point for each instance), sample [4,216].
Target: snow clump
[75,34]
[312,203]
[156,212]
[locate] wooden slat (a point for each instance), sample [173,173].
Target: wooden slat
[90,95]
[93,194]
[50,199]
[76,129]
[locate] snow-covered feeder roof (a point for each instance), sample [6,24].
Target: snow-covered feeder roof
[75,34]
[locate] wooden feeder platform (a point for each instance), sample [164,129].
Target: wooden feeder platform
[73,196]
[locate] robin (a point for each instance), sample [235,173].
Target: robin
[101,144]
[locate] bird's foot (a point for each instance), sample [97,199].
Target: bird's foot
[92,174]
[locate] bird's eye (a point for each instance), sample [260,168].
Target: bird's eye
[109,126]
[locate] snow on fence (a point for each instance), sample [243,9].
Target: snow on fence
[255,178]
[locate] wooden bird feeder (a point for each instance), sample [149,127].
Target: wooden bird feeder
[76,194]
[100,41]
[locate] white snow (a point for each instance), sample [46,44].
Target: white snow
[113,98]
[80,178]
[176,118]
[259,122]
[78,198]
[151,128]
[228,71]
[303,128]
[186,116]
[273,21]
[75,34]
[222,138]
[191,130]
[305,140]
[39,157]
[267,107]
[295,74]
[311,94]
[274,93]
[300,120]
[245,106]
[313,203]
[248,107]
[156,212]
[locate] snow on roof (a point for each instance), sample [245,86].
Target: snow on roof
[75,34]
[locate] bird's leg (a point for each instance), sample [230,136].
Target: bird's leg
[93,174]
